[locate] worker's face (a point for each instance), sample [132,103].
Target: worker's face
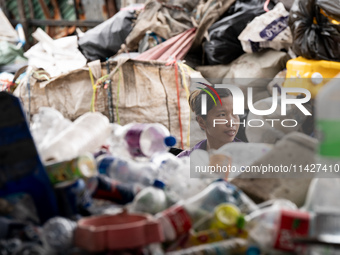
[220,134]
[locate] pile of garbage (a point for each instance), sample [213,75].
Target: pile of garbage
[89,129]
[94,187]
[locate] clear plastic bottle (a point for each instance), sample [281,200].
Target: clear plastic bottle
[151,199]
[128,171]
[327,127]
[147,139]
[323,196]
[181,217]
[86,134]
[323,203]
[166,162]
[274,225]
[43,122]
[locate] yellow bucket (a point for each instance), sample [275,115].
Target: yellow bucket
[310,74]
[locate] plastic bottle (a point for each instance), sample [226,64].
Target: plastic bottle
[58,234]
[323,196]
[151,199]
[274,225]
[173,171]
[86,134]
[323,203]
[84,166]
[44,122]
[147,139]
[328,125]
[128,171]
[166,162]
[181,217]
[110,189]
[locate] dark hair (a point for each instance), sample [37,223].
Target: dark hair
[195,99]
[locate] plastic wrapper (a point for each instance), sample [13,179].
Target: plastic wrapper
[269,30]
[55,56]
[104,40]
[223,45]
[316,29]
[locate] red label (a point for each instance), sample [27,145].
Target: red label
[292,224]
[179,219]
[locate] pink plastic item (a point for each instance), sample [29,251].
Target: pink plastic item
[116,232]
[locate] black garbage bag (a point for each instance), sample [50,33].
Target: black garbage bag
[104,40]
[314,34]
[223,46]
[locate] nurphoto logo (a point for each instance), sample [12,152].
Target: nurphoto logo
[239,102]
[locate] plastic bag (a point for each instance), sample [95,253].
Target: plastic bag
[316,29]
[9,53]
[224,46]
[105,40]
[269,30]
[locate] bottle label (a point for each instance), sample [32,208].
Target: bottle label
[329,136]
[179,219]
[114,191]
[63,171]
[292,224]
[132,138]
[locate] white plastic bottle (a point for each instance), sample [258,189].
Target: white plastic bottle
[86,134]
[147,139]
[151,199]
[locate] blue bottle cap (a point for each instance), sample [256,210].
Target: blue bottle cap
[253,250]
[159,184]
[170,141]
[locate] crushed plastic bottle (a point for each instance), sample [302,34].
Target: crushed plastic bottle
[58,234]
[181,217]
[175,173]
[275,224]
[128,171]
[151,199]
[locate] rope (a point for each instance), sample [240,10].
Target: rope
[117,99]
[94,87]
[179,106]
[180,64]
